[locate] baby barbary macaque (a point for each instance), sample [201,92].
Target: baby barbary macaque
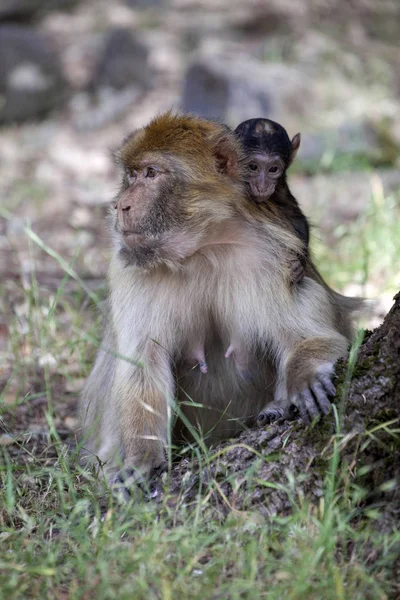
[269,153]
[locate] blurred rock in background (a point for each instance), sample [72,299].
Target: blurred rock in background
[25,10]
[122,62]
[31,81]
[76,77]
[237,88]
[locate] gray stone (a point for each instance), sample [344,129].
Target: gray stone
[340,198]
[123,62]
[356,138]
[25,10]
[31,82]
[142,4]
[235,90]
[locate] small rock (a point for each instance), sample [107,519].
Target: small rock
[71,423]
[351,139]
[6,439]
[25,10]
[31,82]
[146,3]
[334,199]
[73,386]
[124,62]
[48,361]
[233,90]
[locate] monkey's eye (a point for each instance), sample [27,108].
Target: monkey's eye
[253,167]
[273,170]
[131,176]
[150,172]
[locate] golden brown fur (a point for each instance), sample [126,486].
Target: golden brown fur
[205,266]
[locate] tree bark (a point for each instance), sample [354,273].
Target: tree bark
[272,469]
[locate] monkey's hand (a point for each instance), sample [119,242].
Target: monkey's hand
[313,401]
[310,399]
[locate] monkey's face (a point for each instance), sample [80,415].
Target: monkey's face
[263,172]
[181,174]
[148,208]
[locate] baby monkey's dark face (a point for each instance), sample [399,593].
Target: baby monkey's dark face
[263,172]
[269,152]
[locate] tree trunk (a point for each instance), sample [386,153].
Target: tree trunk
[271,469]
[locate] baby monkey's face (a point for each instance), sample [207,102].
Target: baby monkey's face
[263,172]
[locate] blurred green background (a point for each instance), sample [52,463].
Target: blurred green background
[75,78]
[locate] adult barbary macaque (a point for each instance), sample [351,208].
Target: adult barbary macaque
[197,268]
[268,154]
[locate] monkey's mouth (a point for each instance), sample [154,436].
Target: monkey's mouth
[133,238]
[260,195]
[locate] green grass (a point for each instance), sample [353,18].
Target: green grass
[60,540]
[333,162]
[62,537]
[367,250]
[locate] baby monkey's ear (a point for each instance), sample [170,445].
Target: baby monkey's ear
[295,146]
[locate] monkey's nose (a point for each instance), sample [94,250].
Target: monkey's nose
[124,204]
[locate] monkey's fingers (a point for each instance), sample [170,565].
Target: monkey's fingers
[312,402]
[327,384]
[307,406]
[321,396]
[127,483]
[300,404]
[311,405]
[130,483]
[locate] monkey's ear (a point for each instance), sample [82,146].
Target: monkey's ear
[226,156]
[295,146]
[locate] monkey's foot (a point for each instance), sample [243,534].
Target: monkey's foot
[131,483]
[313,401]
[273,412]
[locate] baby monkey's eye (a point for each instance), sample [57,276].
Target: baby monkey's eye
[273,170]
[150,172]
[253,167]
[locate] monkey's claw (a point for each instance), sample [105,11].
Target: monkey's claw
[130,483]
[270,414]
[127,483]
[314,401]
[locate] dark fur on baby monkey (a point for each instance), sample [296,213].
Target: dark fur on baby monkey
[269,153]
